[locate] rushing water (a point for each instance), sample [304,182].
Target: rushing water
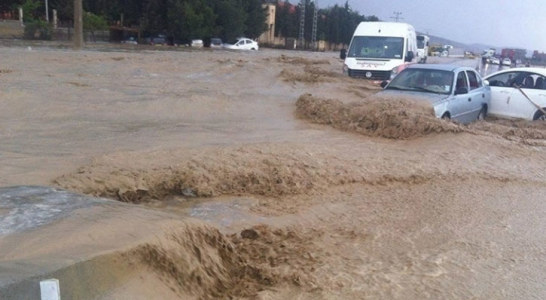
[444,216]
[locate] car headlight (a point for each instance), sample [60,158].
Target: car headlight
[394,72]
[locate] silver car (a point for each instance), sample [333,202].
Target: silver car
[457,93]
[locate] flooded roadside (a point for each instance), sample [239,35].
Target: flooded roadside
[235,188]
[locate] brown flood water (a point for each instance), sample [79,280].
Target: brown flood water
[263,175]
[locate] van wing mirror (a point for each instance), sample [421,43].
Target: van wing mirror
[409,56]
[343,53]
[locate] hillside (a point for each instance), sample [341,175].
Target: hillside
[476,48]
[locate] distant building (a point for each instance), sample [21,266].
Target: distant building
[539,57]
[268,36]
[514,54]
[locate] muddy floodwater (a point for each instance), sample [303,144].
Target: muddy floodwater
[151,174]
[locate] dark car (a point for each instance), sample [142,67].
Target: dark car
[158,40]
[216,43]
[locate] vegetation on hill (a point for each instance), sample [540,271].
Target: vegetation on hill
[183,20]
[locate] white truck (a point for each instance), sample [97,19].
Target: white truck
[422,48]
[380,50]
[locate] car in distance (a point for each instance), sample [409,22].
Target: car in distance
[242,44]
[130,40]
[160,39]
[216,43]
[455,92]
[518,93]
[197,43]
[506,61]
[494,60]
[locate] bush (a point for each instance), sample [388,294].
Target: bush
[37,30]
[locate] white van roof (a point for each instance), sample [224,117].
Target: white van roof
[382,29]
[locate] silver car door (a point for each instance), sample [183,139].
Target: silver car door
[476,94]
[459,104]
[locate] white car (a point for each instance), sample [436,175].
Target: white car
[494,60]
[518,93]
[197,43]
[243,44]
[131,40]
[506,61]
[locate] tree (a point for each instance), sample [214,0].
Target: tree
[34,26]
[154,16]
[189,19]
[65,9]
[230,19]
[286,20]
[30,11]
[255,18]
[92,23]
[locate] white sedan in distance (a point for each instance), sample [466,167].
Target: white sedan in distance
[242,44]
[518,93]
[495,60]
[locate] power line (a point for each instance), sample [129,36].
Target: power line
[397,16]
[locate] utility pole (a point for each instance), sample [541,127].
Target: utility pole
[314,31]
[78,25]
[302,24]
[397,16]
[46,12]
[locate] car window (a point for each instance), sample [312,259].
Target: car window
[507,79]
[473,80]
[540,82]
[461,81]
[423,80]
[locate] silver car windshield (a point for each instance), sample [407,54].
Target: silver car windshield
[423,80]
[376,47]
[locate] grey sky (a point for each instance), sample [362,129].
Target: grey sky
[500,23]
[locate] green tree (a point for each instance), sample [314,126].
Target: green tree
[154,16]
[30,10]
[35,28]
[255,18]
[65,9]
[230,20]
[93,23]
[286,20]
[189,19]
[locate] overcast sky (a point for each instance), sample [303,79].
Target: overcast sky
[499,23]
